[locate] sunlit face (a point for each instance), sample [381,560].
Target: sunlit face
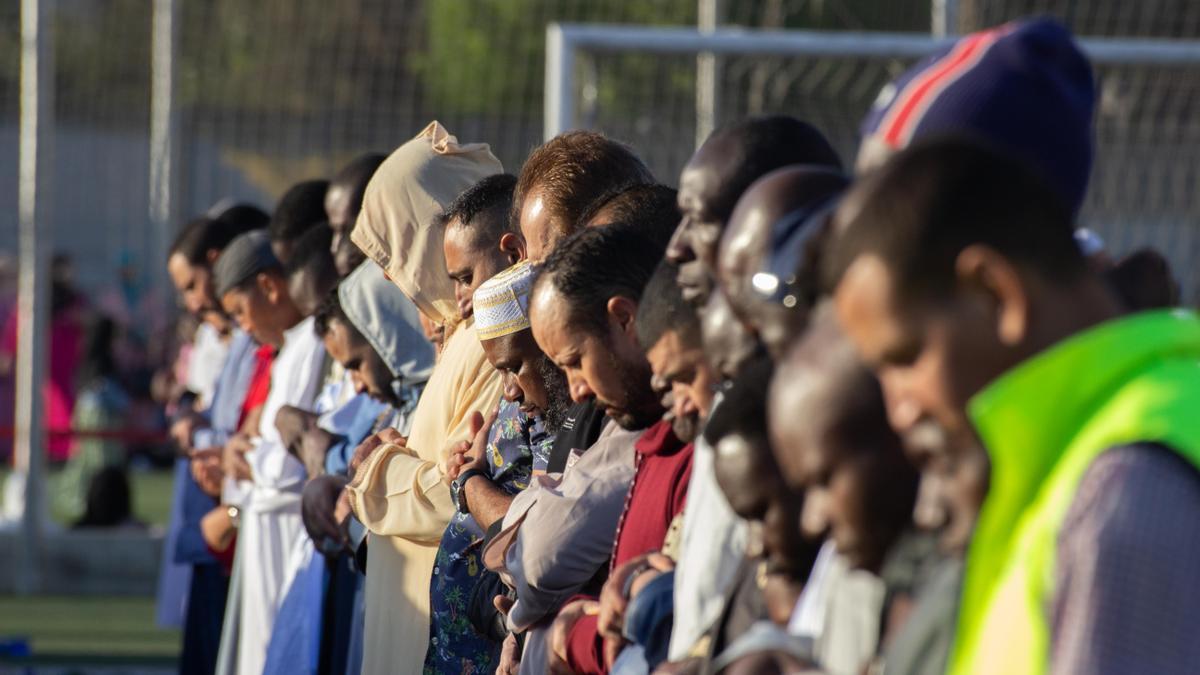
[530,378]
[307,291]
[251,310]
[470,263]
[194,284]
[262,308]
[693,248]
[739,258]
[337,210]
[727,342]
[685,369]
[930,361]
[858,487]
[434,332]
[750,480]
[608,367]
[367,370]
[539,231]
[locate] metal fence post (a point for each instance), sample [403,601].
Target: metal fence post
[708,13]
[559,101]
[164,128]
[37,123]
[943,18]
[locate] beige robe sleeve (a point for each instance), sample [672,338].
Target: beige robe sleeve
[401,491]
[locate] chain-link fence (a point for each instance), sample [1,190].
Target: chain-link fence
[274,91]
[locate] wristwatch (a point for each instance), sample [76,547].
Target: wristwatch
[458,493]
[235,515]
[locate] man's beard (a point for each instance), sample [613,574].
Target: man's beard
[642,408]
[558,396]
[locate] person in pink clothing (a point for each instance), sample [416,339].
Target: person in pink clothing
[67,308]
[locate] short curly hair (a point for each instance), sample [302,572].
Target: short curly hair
[574,169]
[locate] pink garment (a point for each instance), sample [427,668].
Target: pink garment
[58,394]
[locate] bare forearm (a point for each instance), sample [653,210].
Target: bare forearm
[486,502]
[218,528]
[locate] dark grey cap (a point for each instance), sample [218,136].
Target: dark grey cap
[244,257]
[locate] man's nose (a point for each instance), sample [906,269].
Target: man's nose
[679,249]
[580,391]
[512,390]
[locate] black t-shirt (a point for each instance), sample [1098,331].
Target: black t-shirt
[579,431]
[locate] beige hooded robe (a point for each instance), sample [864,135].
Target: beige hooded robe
[399,493]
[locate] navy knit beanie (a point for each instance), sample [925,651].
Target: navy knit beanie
[1024,86]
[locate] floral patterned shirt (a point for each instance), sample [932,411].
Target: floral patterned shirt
[518,445]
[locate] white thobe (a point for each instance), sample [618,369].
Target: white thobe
[711,548]
[271,524]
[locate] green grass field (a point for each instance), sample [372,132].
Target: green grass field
[96,630]
[151,494]
[103,627]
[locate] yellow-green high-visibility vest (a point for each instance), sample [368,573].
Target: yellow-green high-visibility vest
[1130,380]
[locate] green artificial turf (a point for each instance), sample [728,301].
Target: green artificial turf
[151,494]
[102,628]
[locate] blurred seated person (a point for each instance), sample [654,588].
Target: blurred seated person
[109,502]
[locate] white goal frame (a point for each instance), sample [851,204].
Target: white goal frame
[564,41]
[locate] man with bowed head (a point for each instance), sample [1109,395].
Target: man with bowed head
[398,491]
[976,308]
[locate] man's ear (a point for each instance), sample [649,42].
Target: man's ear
[512,245]
[211,256]
[623,311]
[984,270]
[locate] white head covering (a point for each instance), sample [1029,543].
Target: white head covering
[501,304]
[396,227]
[389,321]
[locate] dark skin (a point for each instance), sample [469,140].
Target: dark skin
[309,287]
[681,371]
[516,356]
[858,487]
[747,239]
[932,354]
[472,258]
[339,209]
[749,478]
[368,371]
[318,503]
[704,207]
[727,342]
[263,308]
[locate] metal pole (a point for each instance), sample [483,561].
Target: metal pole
[943,15]
[708,13]
[164,128]
[33,201]
[559,102]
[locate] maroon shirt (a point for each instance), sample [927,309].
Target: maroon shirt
[657,496]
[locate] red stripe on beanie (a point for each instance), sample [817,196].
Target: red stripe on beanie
[897,128]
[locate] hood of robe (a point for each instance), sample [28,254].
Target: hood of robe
[389,321]
[396,227]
